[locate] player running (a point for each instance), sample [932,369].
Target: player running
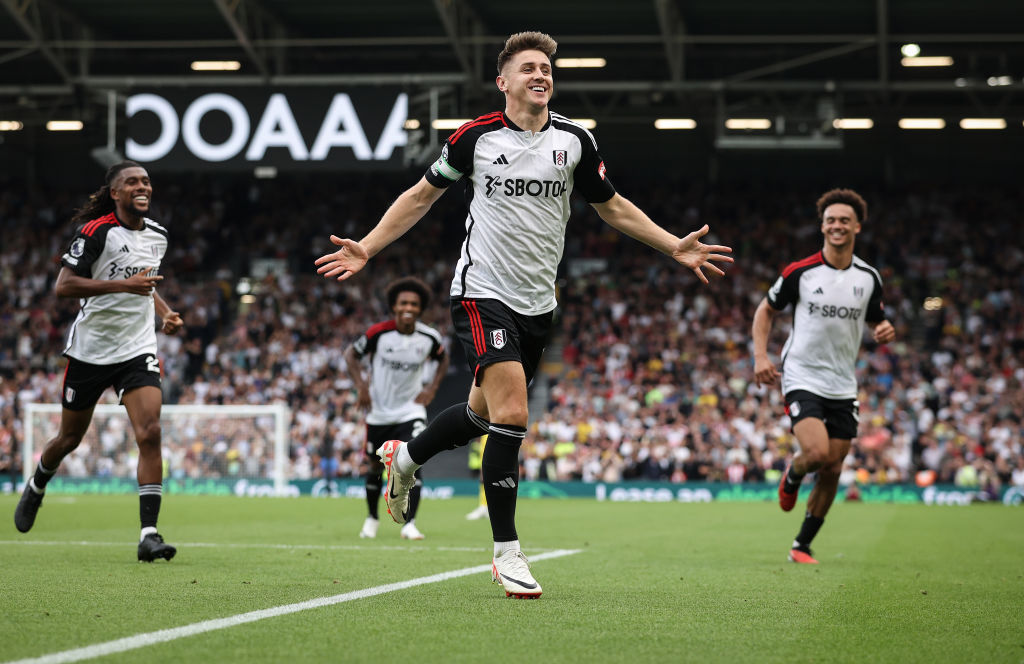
[521,165]
[831,291]
[112,265]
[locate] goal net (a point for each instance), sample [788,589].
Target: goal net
[199,442]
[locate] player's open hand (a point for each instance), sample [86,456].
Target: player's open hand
[344,262]
[696,255]
[142,283]
[172,322]
[884,332]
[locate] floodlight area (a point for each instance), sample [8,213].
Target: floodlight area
[748,123]
[922,123]
[589,123]
[675,123]
[983,123]
[216,65]
[412,123]
[928,61]
[910,50]
[11,125]
[853,123]
[448,123]
[580,63]
[64,125]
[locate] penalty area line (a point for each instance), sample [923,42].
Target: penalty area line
[164,635]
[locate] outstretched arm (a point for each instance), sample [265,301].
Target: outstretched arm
[619,213]
[403,214]
[765,372]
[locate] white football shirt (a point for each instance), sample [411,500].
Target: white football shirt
[396,369]
[519,187]
[114,327]
[830,308]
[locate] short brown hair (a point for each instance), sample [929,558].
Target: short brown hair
[526,41]
[847,196]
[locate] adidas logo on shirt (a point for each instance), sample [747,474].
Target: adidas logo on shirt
[124,249]
[501,160]
[818,291]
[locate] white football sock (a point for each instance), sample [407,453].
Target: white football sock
[404,462]
[501,547]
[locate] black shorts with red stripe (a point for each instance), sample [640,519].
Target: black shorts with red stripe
[491,332]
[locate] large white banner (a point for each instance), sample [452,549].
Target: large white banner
[287,128]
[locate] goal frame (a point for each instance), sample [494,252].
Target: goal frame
[280,412]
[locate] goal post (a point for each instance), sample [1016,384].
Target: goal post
[199,441]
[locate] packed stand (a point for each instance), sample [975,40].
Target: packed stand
[656,381]
[653,372]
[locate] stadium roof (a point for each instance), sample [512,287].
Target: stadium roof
[804,61]
[658,52]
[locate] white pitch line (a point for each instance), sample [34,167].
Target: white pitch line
[164,635]
[258,545]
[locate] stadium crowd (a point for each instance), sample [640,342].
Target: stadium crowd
[650,374]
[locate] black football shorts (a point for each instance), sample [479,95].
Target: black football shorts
[84,382]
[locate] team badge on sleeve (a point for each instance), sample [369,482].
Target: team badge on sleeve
[601,170]
[78,247]
[498,338]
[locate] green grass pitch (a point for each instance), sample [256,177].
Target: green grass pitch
[651,583]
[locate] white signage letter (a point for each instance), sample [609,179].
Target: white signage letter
[239,127]
[277,128]
[394,131]
[164,143]
[342,113]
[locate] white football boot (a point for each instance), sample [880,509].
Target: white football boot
[396,493]
[369,530]
[512,571]
[411,532]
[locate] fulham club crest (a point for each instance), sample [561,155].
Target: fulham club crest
[498,338]
[560,157]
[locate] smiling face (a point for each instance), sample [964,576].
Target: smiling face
[132,192]
[839,225]
[407,310]
[526,81]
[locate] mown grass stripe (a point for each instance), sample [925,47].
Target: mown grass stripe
[164,635]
